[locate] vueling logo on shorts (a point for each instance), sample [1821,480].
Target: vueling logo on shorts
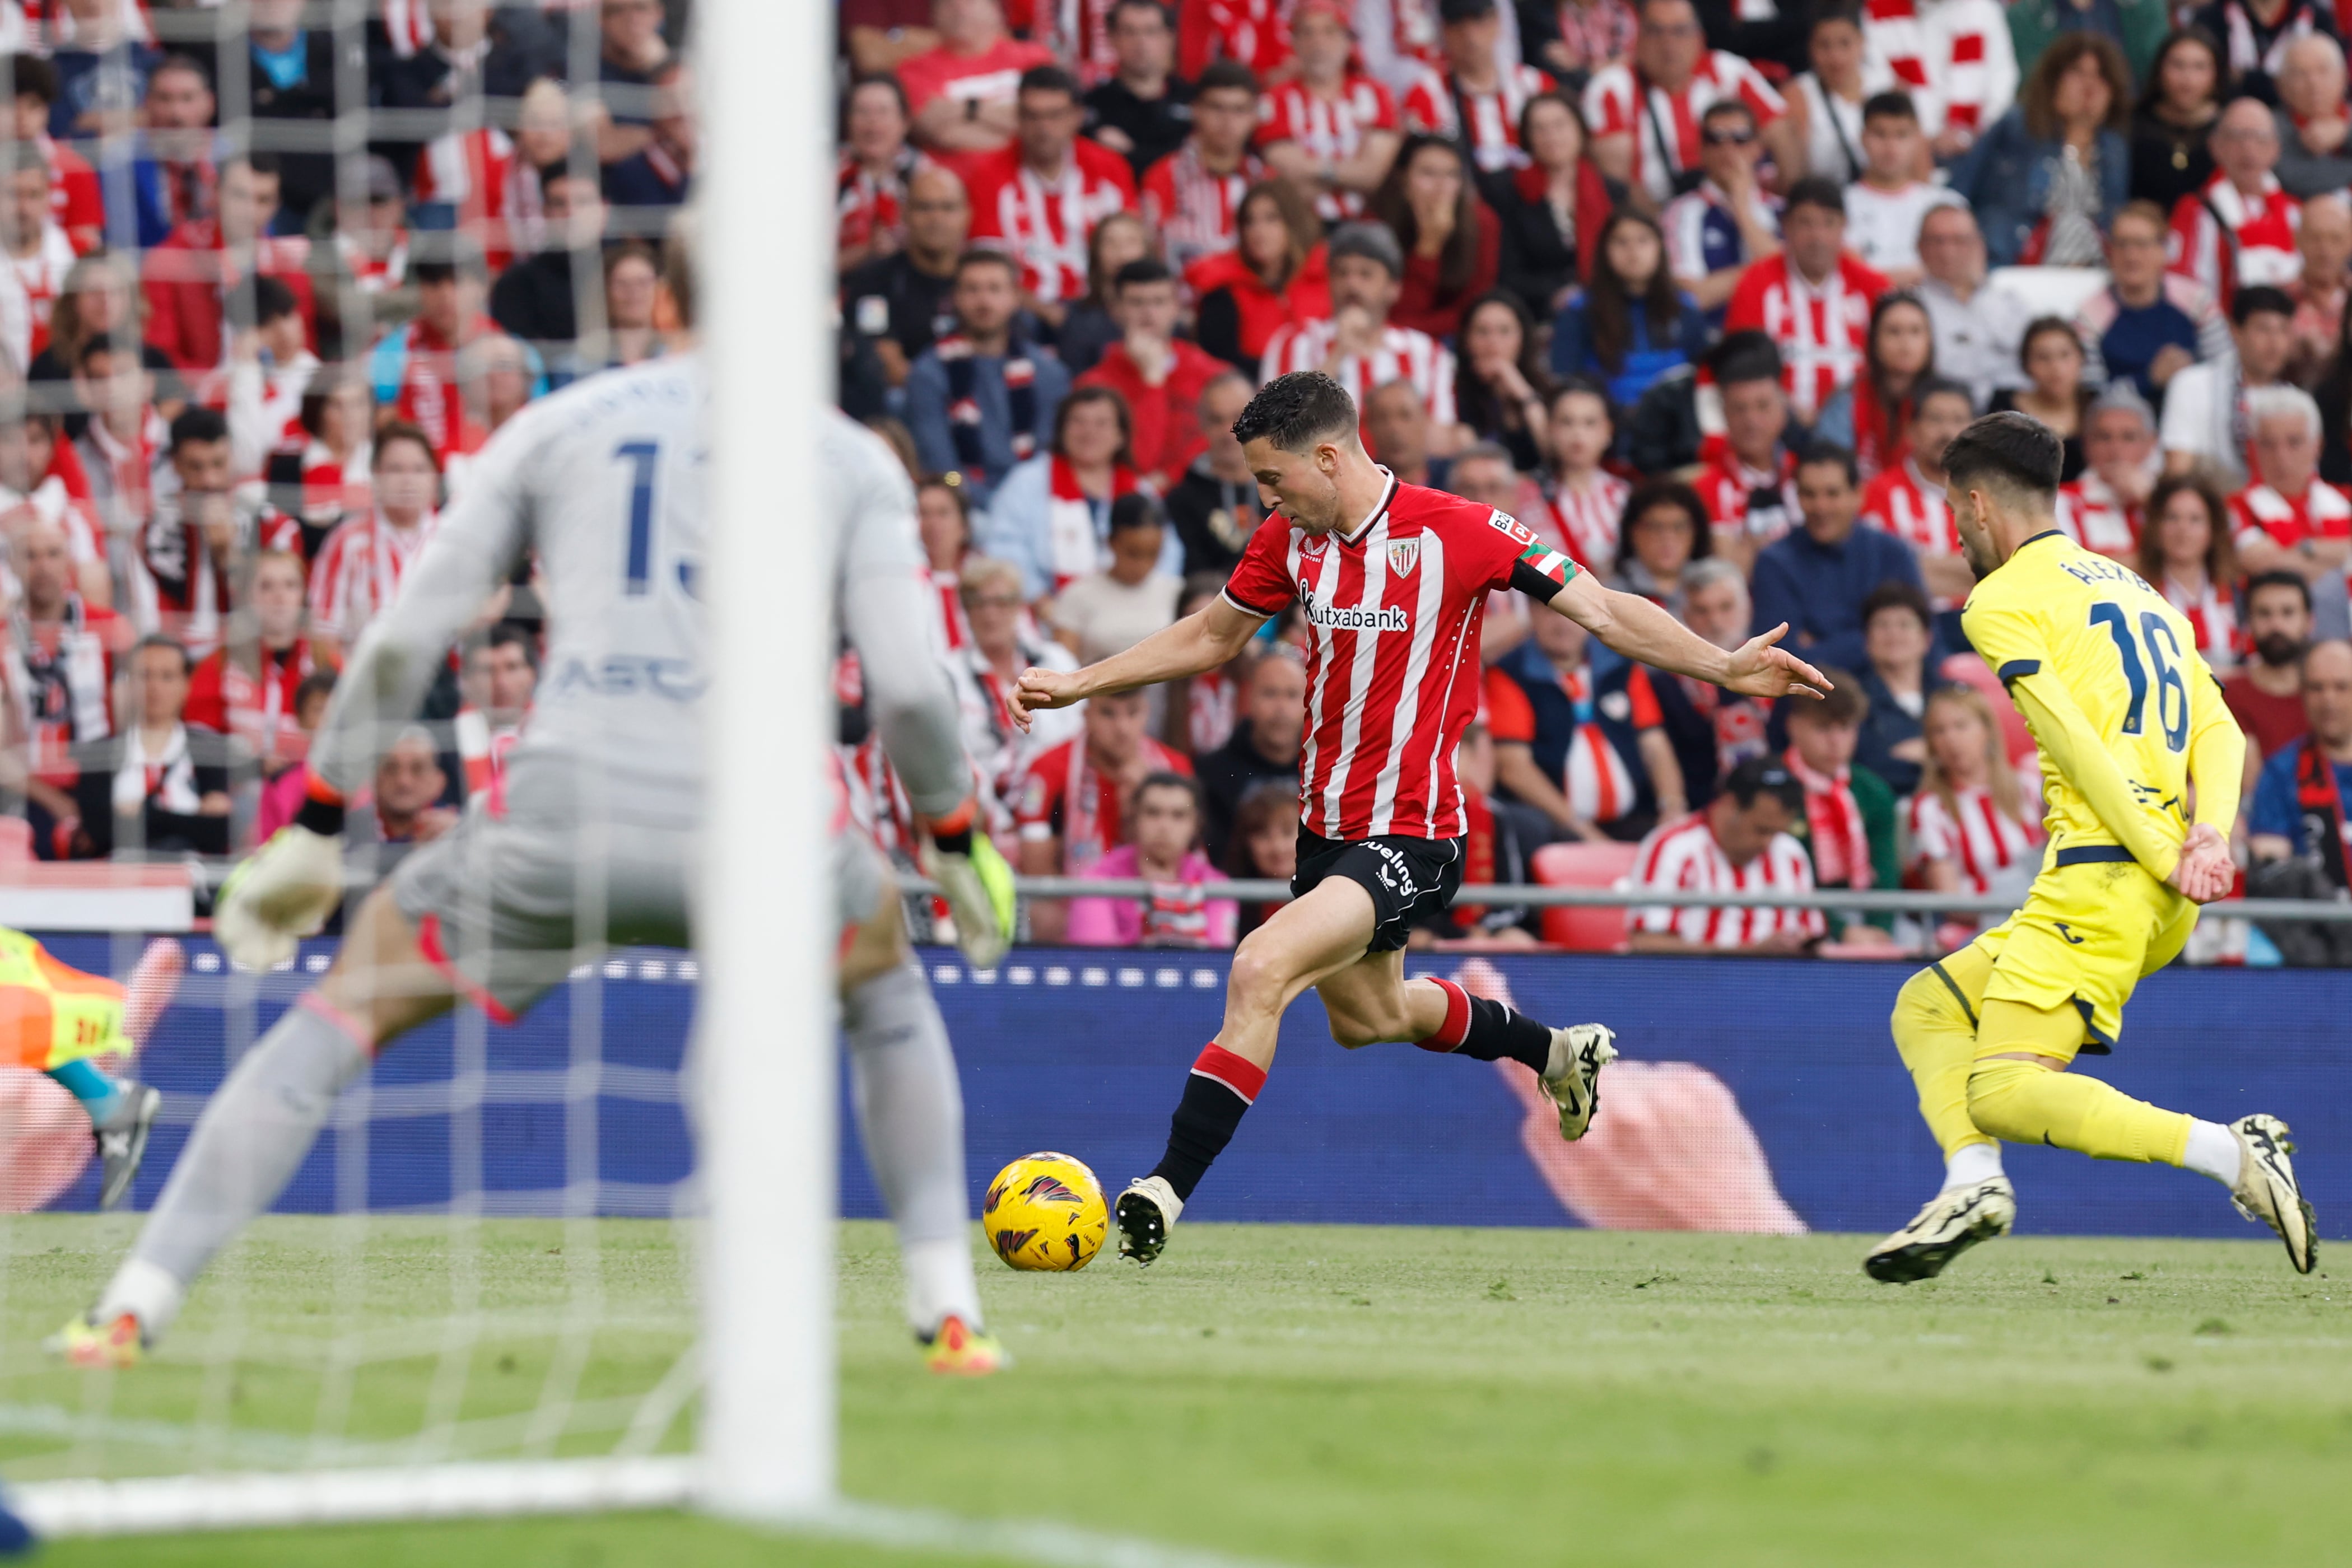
[1351,618]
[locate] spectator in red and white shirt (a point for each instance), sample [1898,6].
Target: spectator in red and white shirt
[414,369]
[1356,346]
[962,91]
[1740,844]
[1192,197]
[871,183]
[1645,116]
[74,198]
[1812,299]
[184,276]
[1907,500]
[497,378]
[61,653]
[1333,130]
[37,249]
[323,468]
[1069,805]
[360,567]
[496,683]
[2185,552]
[943,516]
[1158,374]
[34,494]
[2291,520]
[986,670]
[1253,32]
[2239,231]
[2103,510]
[1041,197]
[1475,97]
[1749,476]
[269,372]
[193,553]
[370,245]
[247,687]
[492,180]
[1970,827]
[1955,58]
[1585,502]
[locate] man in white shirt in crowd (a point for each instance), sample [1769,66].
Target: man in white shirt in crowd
[1978,326]
[1883,208]
[2205,407]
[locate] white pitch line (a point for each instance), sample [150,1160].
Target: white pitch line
[1044,1544]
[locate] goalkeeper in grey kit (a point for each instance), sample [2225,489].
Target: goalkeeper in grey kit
[596,834]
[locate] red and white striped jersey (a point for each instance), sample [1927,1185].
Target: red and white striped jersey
[2260,512]
[359,570]
[1901,503]
[1664,130]
[2227,240]
[1043,225]
[1331,129]
[496,194]
[1392,609]
[1586,521]
[43,273]
[947,597]
[1955,58]
[1254,32]
[1079,32]
[1822,329]
[1682,857]
[2212,614]
[1487,123]
[1405,354]
[2091,515]
[867,204]
[1758,502]
[1192,210]
[1973,834]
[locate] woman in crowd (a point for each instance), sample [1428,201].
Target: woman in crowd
[1971,830]
[1551,210]
[1898,631]
[943,512]
[2185,552]
[1828,98]
[1163,848]
[2050,173]
[2052,357]
[984,671]
[332,473]
[1630,325]
[1586,502]
[1088,328]
[1499,380]
[1872,416]
[1453,248]
[1273,274]
[2174,121]
[1664,530]
[1265,843]
[101,300]
[1051,516]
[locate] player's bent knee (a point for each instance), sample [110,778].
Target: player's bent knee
[1996,1106]
[1258,976]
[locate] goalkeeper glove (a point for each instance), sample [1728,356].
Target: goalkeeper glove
[284,893]
[978,886]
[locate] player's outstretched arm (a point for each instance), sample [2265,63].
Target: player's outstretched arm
[1201,641]
[1640,630]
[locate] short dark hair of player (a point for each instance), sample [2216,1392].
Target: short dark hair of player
[1135,510]
[1940,386]
[1829,455]
[1896,594]
[2006,452]
[2260,300]
[1050,79]
[1815,190]
[196,424]
[1648,496]
[34,78]
[2291,581]
[1889,106]
[170,644]
[401,429]
[1226,76]
[1298,410]
[1140,273]
[1765,776]
[1746,356]
[1845,703]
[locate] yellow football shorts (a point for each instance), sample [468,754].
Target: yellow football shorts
[2089,930]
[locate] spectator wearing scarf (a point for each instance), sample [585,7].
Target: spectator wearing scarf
[1051,516]
[1848,827]
[979,398]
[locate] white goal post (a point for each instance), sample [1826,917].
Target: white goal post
[764,1090]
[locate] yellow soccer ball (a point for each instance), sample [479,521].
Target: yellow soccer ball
[1046,1211]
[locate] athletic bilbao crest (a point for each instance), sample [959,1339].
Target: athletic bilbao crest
[1404,556]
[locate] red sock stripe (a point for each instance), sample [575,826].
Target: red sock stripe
[1243,1077]
[1457,1027]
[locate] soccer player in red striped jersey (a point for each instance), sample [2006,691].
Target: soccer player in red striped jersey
[1393,580]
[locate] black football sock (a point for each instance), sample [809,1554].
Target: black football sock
[1221,1087]
[1486,1030]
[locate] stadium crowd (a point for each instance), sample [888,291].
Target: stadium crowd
[1699,292]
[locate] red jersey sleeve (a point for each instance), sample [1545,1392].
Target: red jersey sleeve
[1493,551]
[1746,311]
[1037,804]
[207,701]
[1647,715]
[1509,714]
[1261,584]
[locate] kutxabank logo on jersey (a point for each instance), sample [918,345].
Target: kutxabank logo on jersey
[1352,617]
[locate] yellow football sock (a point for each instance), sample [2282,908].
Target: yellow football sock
[1937,1038]
[2027,1103]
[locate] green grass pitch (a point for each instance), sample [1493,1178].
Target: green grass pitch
[1328,1396]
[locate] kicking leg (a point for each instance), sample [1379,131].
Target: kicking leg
[91,1017]
[910,1119]
[261,1122]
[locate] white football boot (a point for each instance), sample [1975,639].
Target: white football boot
[2266,1188]
[1953,1222]
[1572,1076]
[1146,1211]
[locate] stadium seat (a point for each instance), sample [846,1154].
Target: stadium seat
[1584,930]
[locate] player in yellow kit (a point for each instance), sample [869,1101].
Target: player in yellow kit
[2142,766]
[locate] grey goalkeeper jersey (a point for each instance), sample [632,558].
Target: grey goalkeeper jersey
[603,482]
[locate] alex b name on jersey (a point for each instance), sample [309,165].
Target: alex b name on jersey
[2093,569]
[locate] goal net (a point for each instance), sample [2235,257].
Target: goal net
[346,241]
